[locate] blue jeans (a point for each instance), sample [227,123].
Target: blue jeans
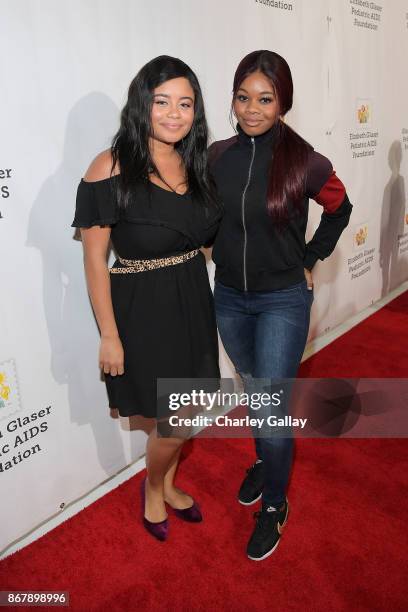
[264,334]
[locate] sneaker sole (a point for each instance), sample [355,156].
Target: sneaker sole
[276,545]
[266,554]
[251,502]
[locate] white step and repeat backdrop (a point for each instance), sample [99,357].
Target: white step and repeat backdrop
[65,70]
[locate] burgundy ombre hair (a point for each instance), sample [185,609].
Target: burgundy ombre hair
[288,168]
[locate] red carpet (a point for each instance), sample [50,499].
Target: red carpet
[344,546]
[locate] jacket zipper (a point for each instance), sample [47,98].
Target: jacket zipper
[243,211]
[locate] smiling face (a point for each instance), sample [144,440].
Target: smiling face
[172,113]
[256,105]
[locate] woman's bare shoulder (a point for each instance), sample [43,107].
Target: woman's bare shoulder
[101,167]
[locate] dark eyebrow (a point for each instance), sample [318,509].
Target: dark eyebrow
[167,96]
[260,94]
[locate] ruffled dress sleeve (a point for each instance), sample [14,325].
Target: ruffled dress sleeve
[95,204]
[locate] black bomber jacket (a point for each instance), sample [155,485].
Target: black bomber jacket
[250,253]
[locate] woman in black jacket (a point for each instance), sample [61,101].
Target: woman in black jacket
[265,175]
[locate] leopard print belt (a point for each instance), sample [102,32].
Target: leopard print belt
[141,265]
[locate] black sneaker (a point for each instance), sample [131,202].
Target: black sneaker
[252,485]
[268,529]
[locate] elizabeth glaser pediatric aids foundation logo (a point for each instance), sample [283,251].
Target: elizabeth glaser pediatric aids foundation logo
[4,389]
[363,112]
[360,237]
[9,393]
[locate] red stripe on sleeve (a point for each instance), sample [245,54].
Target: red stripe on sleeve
[331,194]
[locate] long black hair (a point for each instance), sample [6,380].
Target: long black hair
[130,145]
[287,172]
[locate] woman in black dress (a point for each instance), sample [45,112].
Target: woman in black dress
[150,194]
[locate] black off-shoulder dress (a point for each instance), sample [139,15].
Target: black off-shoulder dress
[165,317]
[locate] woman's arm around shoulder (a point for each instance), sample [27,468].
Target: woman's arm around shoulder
[218,148]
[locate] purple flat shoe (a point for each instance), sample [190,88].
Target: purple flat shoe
[191,514]
[158,530]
